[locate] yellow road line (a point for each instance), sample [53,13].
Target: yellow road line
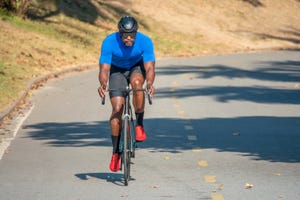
[180,112]
[176,105]
[197,150]
[174,83]
[217,197]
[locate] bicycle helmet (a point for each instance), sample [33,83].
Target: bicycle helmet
[127,24]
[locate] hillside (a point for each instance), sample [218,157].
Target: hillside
[60,34]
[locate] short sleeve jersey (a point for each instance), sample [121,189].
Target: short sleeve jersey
[114,52]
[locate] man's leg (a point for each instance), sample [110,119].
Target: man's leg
[137,81]
[116,120]
[115,126]
[116,81]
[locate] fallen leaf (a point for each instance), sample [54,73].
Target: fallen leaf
[167,158]
[249,186]
[180,112]
[176,105]
[220,187]
[155,186]
[174,83]
[203,163]
[210,179]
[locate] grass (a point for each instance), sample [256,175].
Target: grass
[12,81]
[39,47]
[32,48]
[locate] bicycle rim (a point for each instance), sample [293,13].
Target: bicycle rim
[126,151]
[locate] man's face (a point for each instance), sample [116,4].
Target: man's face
[128,38]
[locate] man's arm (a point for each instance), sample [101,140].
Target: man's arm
[150,76]
[103,79]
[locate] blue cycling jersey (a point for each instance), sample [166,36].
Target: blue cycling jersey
[114,52]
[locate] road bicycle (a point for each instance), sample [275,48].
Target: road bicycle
[127,141]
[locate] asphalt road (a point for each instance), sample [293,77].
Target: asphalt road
[220,127]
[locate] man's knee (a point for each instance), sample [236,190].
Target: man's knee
[136,83]
[117,109]
[115,118]
[137,80]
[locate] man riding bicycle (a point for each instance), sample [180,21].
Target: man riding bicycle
[126,57]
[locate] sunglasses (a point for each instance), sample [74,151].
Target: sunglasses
[125,35]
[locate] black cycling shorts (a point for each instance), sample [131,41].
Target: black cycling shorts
[119,78]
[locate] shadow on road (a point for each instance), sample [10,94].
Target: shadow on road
[274,139]
[115,178]
[257,94]
[285,71]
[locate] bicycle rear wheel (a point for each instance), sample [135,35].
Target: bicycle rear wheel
[127,150]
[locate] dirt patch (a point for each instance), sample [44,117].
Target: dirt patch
[239,23]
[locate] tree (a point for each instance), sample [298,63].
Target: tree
[19,7]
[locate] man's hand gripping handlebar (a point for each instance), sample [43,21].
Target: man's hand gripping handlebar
[103,89]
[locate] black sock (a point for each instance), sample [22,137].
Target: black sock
[139,118]
[115,142]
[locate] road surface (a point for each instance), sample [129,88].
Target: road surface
[220,127]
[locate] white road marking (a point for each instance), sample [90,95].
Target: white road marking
[6,141]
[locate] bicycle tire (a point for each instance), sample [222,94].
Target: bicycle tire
[133,142]
[126,151]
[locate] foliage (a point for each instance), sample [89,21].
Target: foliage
[19,7]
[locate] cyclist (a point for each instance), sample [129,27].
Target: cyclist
[127,56]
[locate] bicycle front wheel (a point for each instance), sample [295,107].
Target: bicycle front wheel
[126,150]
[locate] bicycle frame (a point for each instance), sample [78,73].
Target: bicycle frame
[128,116]
[128,142]
[128,135]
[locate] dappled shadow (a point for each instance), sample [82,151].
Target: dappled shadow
[279,71]
[289,34]
[255,3]
[293,37]
[84,10]
[274,139]
[256,94]
[276,71]
[77,134]
[286,71]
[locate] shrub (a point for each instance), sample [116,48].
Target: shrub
[19,7]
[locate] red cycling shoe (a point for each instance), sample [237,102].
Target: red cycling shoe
[115,162]
[140,134]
